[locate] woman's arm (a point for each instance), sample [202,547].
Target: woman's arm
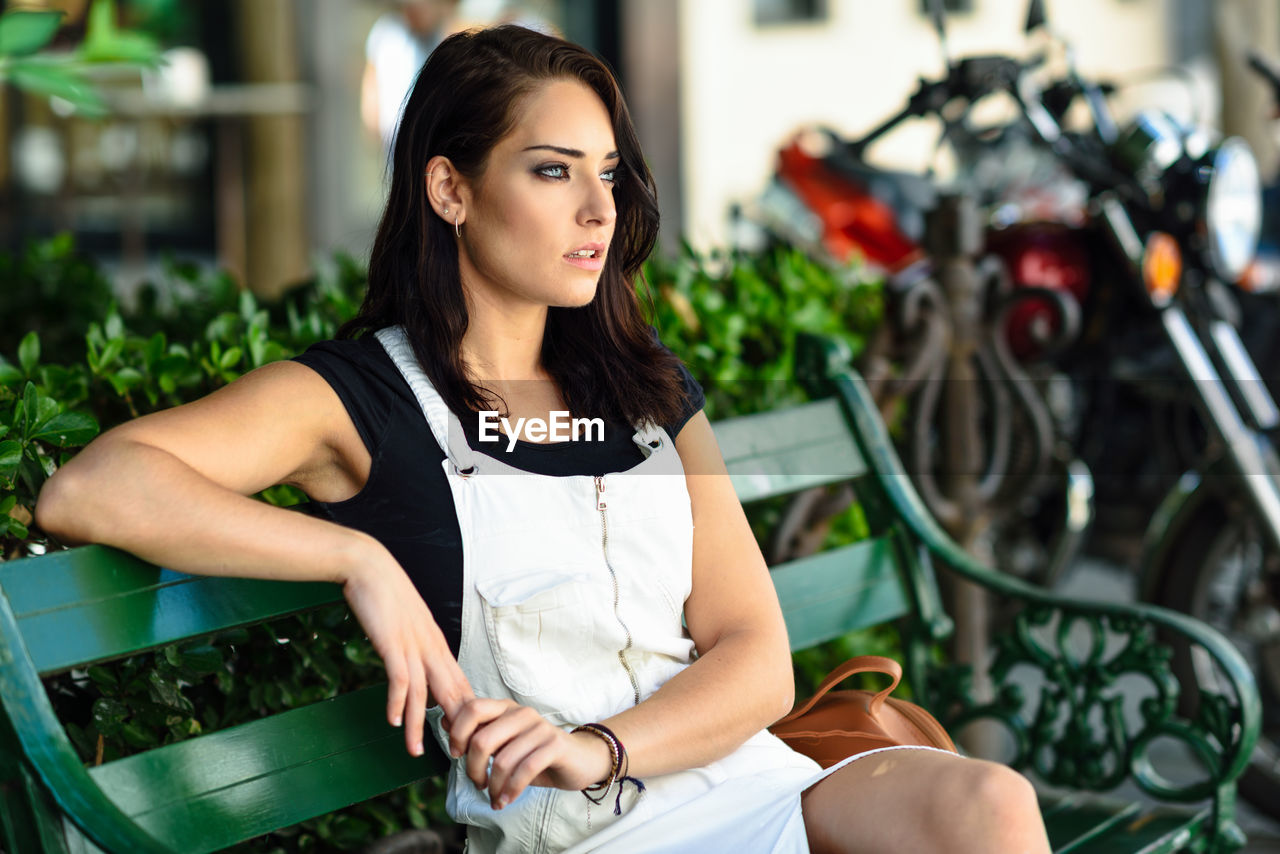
[740,683]
[173,487]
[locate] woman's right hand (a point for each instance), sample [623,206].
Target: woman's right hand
[410,643]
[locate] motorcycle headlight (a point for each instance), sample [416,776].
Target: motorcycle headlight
[1233,209]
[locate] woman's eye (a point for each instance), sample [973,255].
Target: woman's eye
[610,175]
[555,170]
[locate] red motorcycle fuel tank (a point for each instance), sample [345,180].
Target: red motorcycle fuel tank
[1040,255]
[854,223]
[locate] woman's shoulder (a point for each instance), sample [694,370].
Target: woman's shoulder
[351,358]
[364,378]
[694,397]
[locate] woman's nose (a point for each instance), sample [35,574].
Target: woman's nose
[598,206]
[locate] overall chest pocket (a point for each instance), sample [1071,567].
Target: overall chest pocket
[540,623]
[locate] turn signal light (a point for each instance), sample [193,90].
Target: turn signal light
[1161,267]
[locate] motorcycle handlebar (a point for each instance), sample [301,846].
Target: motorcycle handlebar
[971,78]
[1268,72]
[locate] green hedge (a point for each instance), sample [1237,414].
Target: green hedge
[72,363]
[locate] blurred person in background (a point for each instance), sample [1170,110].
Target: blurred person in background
[397,45]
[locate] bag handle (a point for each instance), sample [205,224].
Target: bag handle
[855,665]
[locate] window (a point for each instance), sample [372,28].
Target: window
[948,5]
[789,11]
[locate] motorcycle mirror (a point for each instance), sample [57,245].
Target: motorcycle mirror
[938,15]
[1036,16]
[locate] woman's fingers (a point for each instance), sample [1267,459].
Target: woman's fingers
[416,711]
[449,687]
[520,760]
[471,735]
[470,716]
[397,688]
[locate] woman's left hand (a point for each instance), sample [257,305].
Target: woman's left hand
[526,749]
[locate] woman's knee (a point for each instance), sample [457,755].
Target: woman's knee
[988,787]
[987,803]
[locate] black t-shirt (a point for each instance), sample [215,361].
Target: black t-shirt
[406,503]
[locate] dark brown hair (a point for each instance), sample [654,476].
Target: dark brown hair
[603,356]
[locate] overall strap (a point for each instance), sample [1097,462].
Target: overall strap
[444,423]
[649,437]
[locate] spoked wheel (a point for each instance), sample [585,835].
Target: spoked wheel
[1226,574]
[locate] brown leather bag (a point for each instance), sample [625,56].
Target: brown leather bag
[835,725]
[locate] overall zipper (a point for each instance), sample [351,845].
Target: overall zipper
[604,544]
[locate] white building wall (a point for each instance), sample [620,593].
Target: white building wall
[745,89]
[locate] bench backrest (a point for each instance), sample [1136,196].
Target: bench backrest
[71,609]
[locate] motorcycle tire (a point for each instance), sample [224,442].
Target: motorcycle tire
[1218,572]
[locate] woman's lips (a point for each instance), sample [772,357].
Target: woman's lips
[587,262]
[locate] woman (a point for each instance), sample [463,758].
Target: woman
[557,577]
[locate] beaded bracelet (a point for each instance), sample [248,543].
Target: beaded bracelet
[617,773]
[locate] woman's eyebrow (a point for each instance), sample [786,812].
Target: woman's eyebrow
[567,152]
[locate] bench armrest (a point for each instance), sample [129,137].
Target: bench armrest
[50,755]
[1077,733]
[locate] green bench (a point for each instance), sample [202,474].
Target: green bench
[68,609]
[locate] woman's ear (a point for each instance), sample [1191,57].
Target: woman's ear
[446,190]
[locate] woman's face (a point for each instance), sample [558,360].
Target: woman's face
[540,219]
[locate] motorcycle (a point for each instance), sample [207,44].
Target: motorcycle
[1126,307]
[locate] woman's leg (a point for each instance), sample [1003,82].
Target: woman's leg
[924,801]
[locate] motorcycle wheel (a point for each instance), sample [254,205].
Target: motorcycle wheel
[1225,574]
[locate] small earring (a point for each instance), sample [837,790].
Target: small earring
[456,228]
[446,210]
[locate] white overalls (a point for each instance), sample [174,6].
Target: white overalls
[573,595]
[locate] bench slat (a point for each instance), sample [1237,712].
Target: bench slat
[96,603]
[1122,828]
[210,792]
[1071,822]
[776,453]
[831,594]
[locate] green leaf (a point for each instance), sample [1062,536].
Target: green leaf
[110,353]
[202,659]
[24,32]
[108,715]
[46,409]
[155,349]
[10,456]
[166,692]
[10,374]
[124,379]
[323,665]
[114,327]
[15,528]
[29,352]
[103,677]
[103,42]
[30,402]
[137,736]
[68,429]
[229,358]
[44,78]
